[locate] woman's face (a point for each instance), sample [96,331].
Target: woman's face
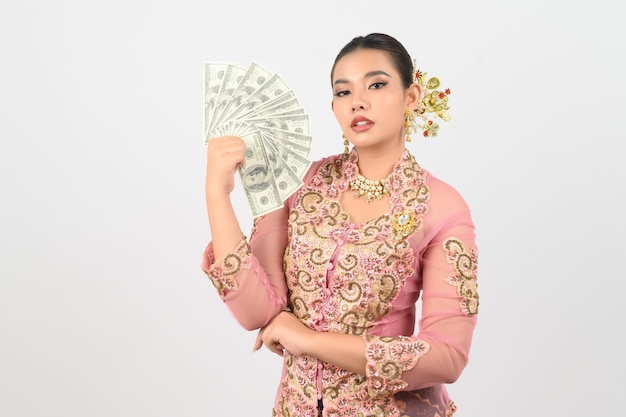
[369,100]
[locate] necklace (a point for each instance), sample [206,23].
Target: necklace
[369,188]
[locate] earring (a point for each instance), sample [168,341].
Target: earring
[409,117]
[346,149]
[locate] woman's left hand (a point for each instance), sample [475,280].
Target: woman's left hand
[287,332]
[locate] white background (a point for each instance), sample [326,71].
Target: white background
[104,310]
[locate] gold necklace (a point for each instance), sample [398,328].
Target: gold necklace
[369,188]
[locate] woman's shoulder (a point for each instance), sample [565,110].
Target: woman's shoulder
[443,194]
[326,163]
[315,167]
[318,163]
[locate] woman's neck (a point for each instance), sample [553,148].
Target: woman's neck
[376,164]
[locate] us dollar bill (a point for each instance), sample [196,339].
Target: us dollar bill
[296,123]
[296,111]
[213,76]
[284,103]
[295,161]
[287,180]
[257,177]
[301,142]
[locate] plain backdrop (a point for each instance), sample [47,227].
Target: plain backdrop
[104,310]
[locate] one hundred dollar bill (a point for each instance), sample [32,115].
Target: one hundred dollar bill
[257,177]
[296,123]
[294,160]
[287,180]
[301,142]
[213,76]
[284,103]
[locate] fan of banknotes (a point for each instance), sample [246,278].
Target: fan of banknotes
[257,105]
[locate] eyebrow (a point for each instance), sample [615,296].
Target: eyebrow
[368,75]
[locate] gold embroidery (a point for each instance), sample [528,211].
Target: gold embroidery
[349,263]
[352,292]
[387,358]
[388,289]
[222,273]
[451,410]
[464,277]
[255,224]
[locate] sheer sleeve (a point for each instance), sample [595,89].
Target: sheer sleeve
[250,279]
[448,265]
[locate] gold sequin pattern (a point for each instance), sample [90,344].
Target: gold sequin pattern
[464,277]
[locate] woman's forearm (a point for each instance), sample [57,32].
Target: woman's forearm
[225,230]
[224,156]
[342,350]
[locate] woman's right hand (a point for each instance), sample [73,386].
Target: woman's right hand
[224,156]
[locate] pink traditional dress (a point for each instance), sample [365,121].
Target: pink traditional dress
[363,279]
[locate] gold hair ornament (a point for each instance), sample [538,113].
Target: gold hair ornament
[434,104]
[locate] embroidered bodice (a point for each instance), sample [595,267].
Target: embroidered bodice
[363,279]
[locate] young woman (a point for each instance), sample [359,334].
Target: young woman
[332,278]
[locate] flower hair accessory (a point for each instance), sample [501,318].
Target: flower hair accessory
[434,104]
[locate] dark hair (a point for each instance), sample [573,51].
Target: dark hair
[398,54]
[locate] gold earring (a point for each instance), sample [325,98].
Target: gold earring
[409,116]
[346,149]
